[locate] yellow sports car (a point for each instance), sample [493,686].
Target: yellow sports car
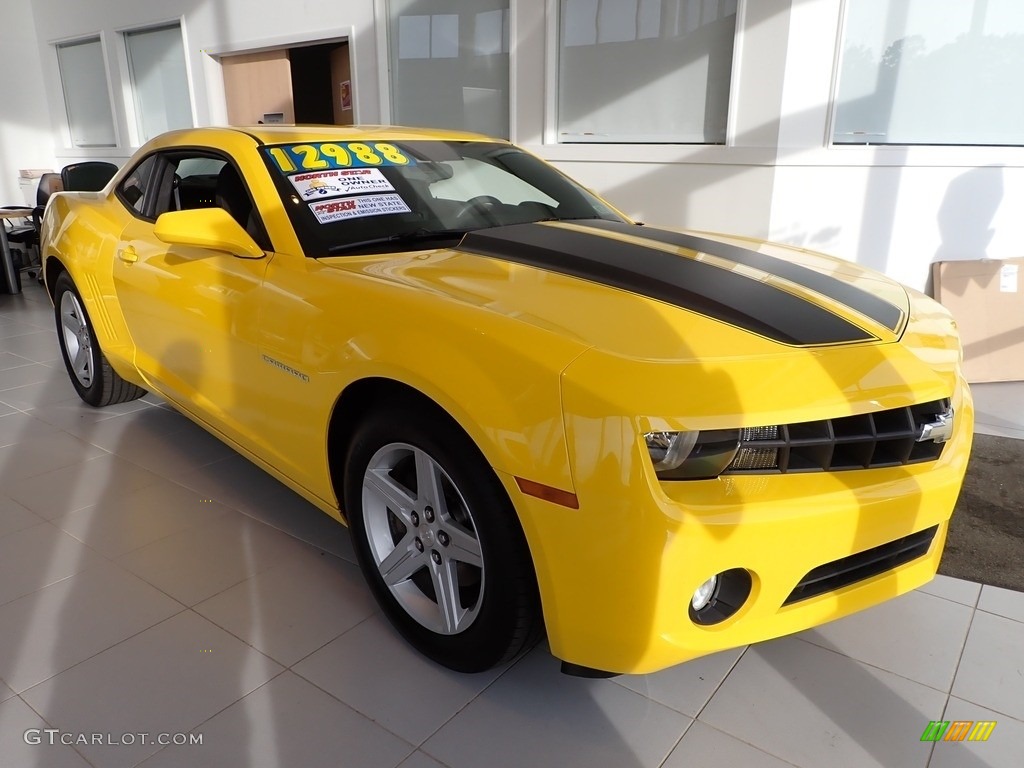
[534,414]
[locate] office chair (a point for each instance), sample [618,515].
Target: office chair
[28,236]
[90,176]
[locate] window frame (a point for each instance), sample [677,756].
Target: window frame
[386,91]
[157,181]
[132,110]
[69,134]
[919,147]
[552,49]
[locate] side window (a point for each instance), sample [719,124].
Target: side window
[199,180]
[189,182]
[134,191]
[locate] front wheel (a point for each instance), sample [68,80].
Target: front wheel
[91,374]
[439,542]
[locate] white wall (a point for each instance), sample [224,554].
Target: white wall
[209,27]
[896,209]
[24,117]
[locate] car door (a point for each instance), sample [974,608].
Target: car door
[192,312]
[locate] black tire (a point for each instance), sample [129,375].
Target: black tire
[499,598]
[95,381]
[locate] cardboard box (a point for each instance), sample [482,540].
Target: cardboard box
[987,299]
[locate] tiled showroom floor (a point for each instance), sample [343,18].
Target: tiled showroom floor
[154,582]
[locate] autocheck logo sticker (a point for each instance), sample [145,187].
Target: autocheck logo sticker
[285,368]
[321,185]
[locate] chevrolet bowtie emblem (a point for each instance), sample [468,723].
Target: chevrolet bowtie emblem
[938,431]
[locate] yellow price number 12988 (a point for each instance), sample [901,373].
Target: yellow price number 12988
[318,157]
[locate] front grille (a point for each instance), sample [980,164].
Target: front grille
[880,439]
[863,565]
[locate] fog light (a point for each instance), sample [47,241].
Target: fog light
[704,593]
[720,597]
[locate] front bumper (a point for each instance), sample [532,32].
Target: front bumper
[616,575]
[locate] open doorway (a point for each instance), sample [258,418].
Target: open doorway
[302,84]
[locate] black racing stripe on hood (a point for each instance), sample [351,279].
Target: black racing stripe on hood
[693,285]
[855,298]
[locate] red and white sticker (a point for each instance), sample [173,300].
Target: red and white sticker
[320,185]
[355,207]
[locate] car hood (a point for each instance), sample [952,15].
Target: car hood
[655,294]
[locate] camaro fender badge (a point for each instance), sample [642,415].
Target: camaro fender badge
[286,368]
[938,431]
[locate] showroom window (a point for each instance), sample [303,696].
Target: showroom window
[655,71]
[449,64]
[931,72]
[159,81]
[83,78]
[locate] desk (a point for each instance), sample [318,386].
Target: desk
[6,260]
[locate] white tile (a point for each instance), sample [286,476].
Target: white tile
[14,517]
[685,687]
[32,396]
[5,691]
[74,415]
[534,715]
[7,360]
[287,723]
[1008,603]
[25,374]
[421,760]
[167,679]
[108,426]
[6,409]
[36,557]
[203,560]
[100,480]
[145,442]
[377,673]
[708,747]
[1002,749]
[58,626]
[290,611]
[958,590]
[43,452]
[813,707]
[17,426]
[126,521]
[39,347]
[240,484]
[998,405]
[19,723]
[11,328]
[916,635]
[991,671]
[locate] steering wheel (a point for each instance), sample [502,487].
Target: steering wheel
[479,204]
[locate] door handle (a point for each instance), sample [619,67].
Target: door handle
[128,255]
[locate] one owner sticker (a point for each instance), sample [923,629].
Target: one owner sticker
[320,185]
[330,211]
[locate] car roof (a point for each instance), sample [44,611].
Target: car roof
[288,134]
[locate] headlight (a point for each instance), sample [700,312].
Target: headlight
[692,455]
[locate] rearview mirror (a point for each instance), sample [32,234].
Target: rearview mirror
[212,228]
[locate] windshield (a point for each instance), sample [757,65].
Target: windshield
[358,197]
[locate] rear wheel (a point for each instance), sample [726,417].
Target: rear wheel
[95,381]
[438,541]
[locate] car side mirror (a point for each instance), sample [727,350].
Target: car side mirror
[212,228]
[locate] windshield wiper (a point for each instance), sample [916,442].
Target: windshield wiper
[415,236]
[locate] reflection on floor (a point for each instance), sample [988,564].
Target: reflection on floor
[155,587]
